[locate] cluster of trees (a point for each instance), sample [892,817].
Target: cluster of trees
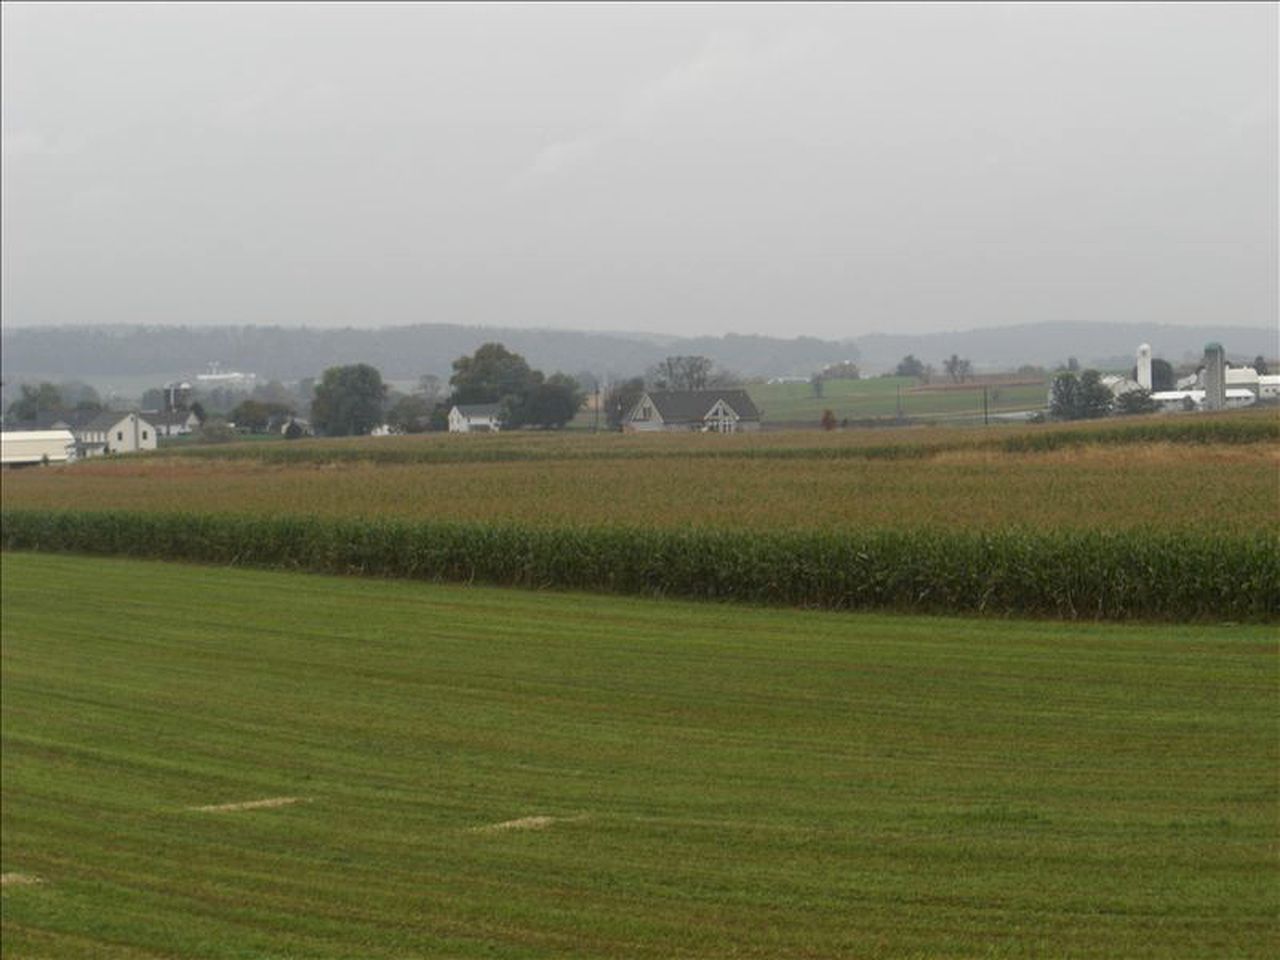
[46,397]
[259,416]
[493,374]
[689,373]
[958,368]
[1079,396]
[353,399]
[844,370]
[348,400]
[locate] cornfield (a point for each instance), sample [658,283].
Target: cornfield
[1064,574]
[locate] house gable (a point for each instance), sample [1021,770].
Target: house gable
[644,411]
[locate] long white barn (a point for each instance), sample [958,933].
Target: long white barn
[22,447]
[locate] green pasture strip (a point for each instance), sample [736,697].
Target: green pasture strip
[1247,427]
[1148,574]
[727,782]
[886,396]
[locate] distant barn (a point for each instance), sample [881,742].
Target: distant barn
[705,411]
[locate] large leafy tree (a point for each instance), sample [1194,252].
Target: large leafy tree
[35,400]
[1135,402]
[620,398]
[1064,396]
[958,368]
[348,400]
[493,374]
[1083,397]
[909,366]
[552,404]
[256,416]
[1095,399]
[411,413]
[682,373]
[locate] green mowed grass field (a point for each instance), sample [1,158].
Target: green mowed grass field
[460,771]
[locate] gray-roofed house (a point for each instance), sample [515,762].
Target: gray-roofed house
[118,433]
[705,411]
[473,417]
[114,432]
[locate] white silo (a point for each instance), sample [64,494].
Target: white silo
[1144,366]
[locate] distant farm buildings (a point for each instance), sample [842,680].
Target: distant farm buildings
[95,433]
[175,423]
[705,411]
[475,418]
[1217,386]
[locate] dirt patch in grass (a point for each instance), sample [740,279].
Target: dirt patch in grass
[18,880]
[525,823]
[249,805]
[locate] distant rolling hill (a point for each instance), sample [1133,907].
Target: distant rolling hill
[406,352]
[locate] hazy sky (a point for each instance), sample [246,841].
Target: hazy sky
[830,170]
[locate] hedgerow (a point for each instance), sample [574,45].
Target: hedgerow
[1250,427]
[1063,574]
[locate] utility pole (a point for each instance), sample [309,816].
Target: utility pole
[986,421]
[596,427]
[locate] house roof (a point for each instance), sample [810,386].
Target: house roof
[172,418]
[677,405]
[109,418]
[17,436]
[478,409]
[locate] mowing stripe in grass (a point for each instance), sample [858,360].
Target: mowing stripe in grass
[759,783]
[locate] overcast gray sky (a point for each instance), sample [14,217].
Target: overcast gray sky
[830,170]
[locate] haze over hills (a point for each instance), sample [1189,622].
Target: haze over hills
[406,352]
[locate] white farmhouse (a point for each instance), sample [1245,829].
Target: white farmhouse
[474,417]
[114,432]
[23,447]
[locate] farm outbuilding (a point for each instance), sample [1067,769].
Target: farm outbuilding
[26,447]
[174,423]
